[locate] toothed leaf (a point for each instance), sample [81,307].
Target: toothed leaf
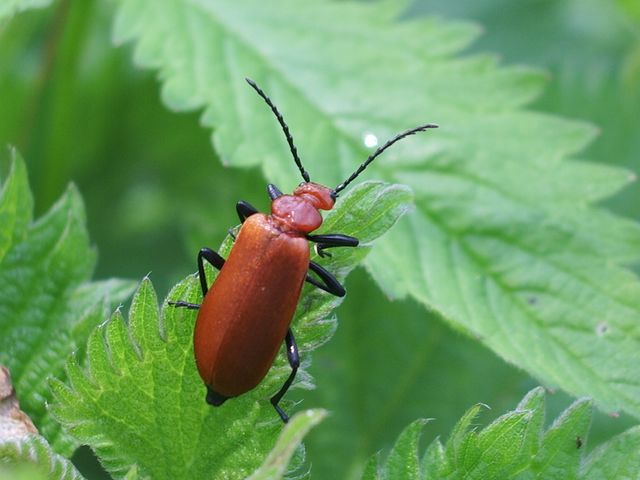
[513,446]
[33,459]
[141,400]
[504,243]
[47,304]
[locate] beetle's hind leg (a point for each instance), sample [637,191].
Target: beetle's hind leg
[294,360]
[214,259]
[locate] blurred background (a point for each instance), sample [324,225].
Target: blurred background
[78,110]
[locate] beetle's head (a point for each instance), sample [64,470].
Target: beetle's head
[319,196]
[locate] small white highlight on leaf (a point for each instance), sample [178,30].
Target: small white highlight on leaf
[370,140]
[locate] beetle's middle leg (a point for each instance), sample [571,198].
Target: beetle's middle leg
[294,360]
[214,259]
[332,240]
[329,283]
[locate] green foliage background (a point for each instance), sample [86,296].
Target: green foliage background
[155,191]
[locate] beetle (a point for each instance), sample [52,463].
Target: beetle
[246,314]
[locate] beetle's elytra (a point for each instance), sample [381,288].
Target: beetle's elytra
[247,312]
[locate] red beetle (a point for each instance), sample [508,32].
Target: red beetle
[247,312]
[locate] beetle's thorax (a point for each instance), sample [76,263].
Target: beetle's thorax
[299,212]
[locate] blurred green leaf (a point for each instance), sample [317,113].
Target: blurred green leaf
[11,7]
[275,465]
[631,8]
[502,243]
[148,361]
[33,459]
[46,305]
[590,50]
[513,446]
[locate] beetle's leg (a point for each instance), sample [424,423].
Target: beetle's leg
[273,191]
[187,305]
[334,240]
[331,240]
[214,259]
[329,282]
[294,360]
[245,210]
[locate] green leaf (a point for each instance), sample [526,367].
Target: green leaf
[598,84]
[559,453]
[46,303]
[275,465]
[372,469]
[9,8]
[382,370]
[533,403]
[141,400]
[403,461]
[33,459]
[503,243]
[617,458]
[504,449]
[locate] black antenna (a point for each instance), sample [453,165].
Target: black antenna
[285,128]
[381,149]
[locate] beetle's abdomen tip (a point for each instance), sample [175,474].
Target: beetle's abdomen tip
[214,398]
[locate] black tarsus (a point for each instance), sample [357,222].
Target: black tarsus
[381,149]
[294,361]
[273,191]
[245,210]
[285,128]
[329,282]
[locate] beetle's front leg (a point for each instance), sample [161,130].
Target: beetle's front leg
[214,259]
[245,210]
